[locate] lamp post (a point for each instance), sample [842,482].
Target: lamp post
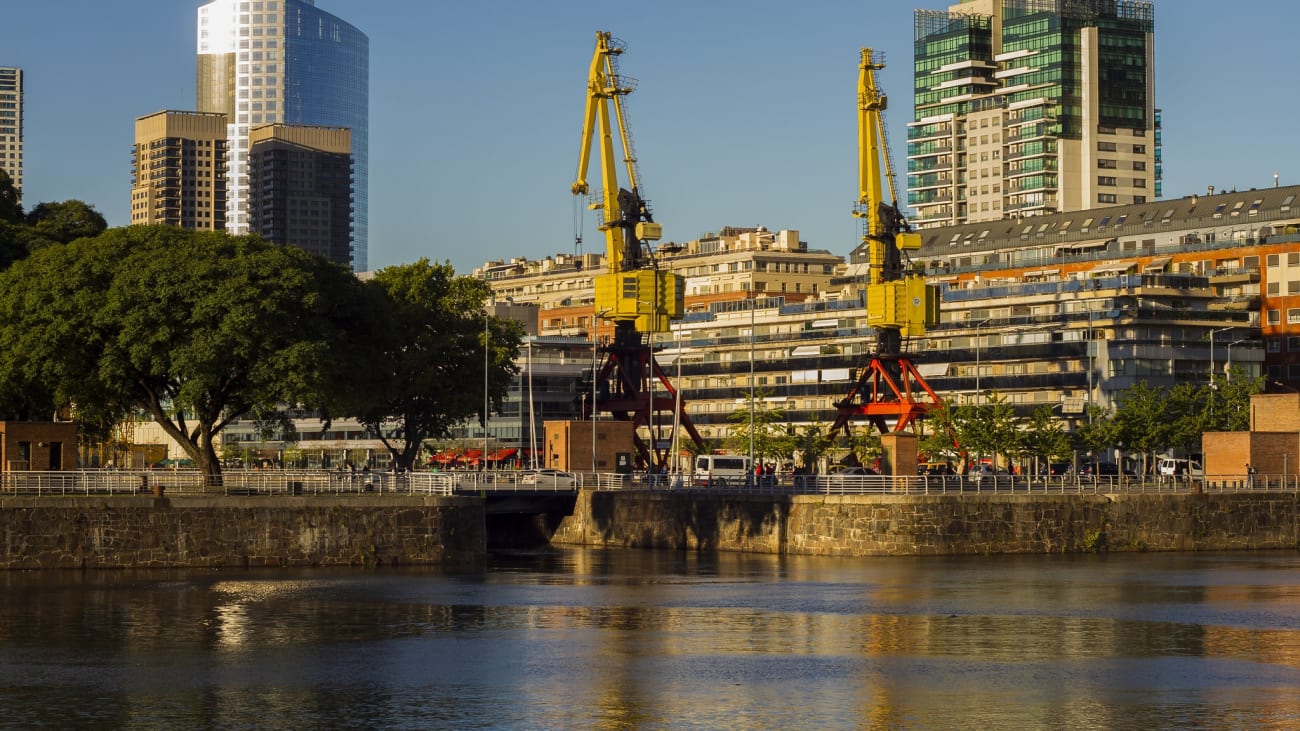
[486,340]
[1228,367]
[1212,334]
[753,392]
[978,325]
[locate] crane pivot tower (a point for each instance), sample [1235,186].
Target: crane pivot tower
[889,390]
[634,293]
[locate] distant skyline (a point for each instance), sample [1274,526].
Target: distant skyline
[744,114]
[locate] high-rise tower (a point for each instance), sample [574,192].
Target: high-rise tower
[178,174]
[301,188]
[284,61]
[11,125]
[1025,107]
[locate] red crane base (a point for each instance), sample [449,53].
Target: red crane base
[889,390]
[628,398]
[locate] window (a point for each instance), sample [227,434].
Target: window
[1274,344]
[1274,289]
[1139,149]
[1105,180]
[1107,198]
[1293,259]
[1139,165]
[1293,315]
[1106,146]
[1107,164]
[1273,261]
[1139,182]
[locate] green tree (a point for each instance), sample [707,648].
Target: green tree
[810,443]
[11,211]
[1043,437]
[65,221]
[430,349]
[1097,433]
[1143,421]
[768,428]
[195,328]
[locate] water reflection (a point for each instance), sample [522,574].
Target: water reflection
[635,639]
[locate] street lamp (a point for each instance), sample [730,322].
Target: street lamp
[1212,334]
[1229,365]
[753,393]
[486,339]
[978,325]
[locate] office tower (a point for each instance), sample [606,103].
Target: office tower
[1026,107]
[11,125]
[300,188]
[284,62]
[179,170]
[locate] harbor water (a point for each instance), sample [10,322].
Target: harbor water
[614,639]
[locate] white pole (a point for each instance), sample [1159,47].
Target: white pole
[532,409]
[753,304]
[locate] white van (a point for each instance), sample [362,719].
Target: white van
[720,470]
[1173,468]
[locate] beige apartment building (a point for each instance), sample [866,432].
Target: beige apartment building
[178,173]
[731,264]
[11,125]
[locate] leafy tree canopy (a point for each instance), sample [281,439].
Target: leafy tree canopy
[428,369]
[195,328]
[66,221]
[11,211]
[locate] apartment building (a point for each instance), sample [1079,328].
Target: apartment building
[1027,107]
[300,190]
[11,125]
[178,170]
[1067,310]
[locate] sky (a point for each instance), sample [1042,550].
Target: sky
[744,113]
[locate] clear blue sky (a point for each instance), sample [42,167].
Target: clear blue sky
[744,115]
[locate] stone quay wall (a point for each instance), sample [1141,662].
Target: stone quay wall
[259,531]
[887,525]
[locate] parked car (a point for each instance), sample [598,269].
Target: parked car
[851,476]
[1107,469]
[985,471]
[1173,468]
[549,478]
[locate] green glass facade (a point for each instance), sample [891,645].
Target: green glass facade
[1033,73]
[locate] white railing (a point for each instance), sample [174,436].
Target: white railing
[181,482]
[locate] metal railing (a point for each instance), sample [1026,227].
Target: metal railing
[181,483]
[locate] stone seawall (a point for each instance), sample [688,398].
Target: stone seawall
[887,525]
[211,532]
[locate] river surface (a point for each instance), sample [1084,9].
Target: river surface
[592,639]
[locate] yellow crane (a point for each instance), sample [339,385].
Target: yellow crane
[889,391]
[633,293]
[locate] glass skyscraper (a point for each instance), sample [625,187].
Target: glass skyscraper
[1026,107]
[285,62]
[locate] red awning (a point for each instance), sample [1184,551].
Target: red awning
[501,454]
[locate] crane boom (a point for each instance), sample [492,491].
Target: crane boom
[633,290]
[899,302]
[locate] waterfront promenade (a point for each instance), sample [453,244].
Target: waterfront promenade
[181,483]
